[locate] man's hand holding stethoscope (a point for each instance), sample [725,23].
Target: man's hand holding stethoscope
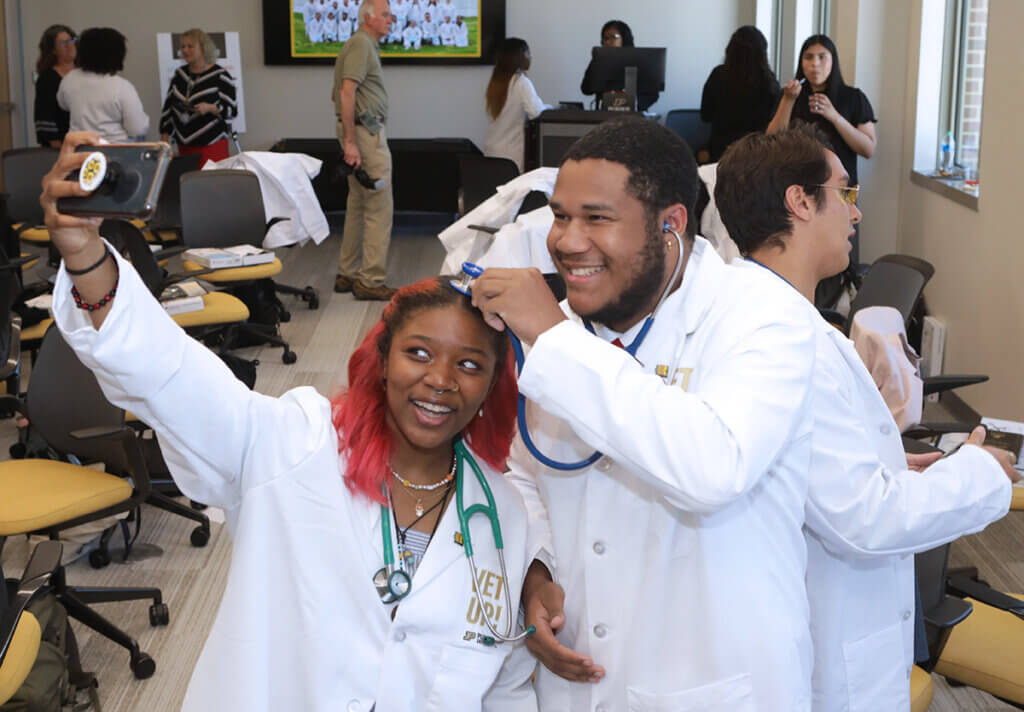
[517,298]
[543,603]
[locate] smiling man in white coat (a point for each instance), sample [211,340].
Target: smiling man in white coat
[679,550]
[788,205]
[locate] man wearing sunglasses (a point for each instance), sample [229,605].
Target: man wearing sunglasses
[787,204]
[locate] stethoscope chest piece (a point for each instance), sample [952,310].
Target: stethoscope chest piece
[392,586]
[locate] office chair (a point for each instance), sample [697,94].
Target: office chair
[479,178]
[225,207]
[20,633]
[688,124]
[24,169]
[49,496]
[165,225]
[221,208]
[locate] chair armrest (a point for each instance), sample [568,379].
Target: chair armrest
[939,384]
[17,263]
[485,228]
[964,586]
[41,566]
[166,253]
[272,222]
[948,612]
[182,276]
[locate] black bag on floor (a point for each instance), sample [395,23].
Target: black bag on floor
[56,682]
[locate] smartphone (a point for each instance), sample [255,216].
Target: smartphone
[135,174]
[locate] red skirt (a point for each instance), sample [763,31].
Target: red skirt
[214,152]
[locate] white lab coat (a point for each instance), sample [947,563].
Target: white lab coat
[506,135]
[681,551]
[867,514]
[301,626]
[412,37]
[461,35]
[446,31]
[287,189]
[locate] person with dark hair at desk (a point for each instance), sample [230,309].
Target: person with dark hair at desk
[615,33]
[741,94]
[511,99]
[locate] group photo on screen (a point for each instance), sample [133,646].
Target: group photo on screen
[422,28]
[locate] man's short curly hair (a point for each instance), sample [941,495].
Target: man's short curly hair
[662,170]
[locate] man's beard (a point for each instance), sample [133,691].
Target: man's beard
[638,296]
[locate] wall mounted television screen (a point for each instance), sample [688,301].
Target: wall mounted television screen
[424,32]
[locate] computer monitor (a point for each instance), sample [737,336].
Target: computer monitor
[608,70]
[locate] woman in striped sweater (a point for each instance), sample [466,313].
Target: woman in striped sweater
[200,99]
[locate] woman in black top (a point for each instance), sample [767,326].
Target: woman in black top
[740,95]
[200,99]
[57,52]
[842,112]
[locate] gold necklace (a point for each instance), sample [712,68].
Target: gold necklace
[425,488]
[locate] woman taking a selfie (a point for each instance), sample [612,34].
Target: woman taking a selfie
[350,584]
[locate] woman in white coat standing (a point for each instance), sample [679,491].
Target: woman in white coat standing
[323,498]
[511,100]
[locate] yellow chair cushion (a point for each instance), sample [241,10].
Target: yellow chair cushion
[218,308]
[985,652]
[21,655]
[35,234]
[36,331]
[237,274]
[921,690]
[1017,503]
[41,493]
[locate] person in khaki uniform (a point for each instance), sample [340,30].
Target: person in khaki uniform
[361,105]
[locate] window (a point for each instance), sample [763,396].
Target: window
[966,29]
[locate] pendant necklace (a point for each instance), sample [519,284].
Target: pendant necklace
[419,509]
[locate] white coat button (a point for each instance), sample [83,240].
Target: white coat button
[598,547]
[906,615]
[604,464]
[600,630]
[400,636]
[353,706]
[885,429]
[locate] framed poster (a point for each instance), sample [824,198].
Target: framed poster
[424,31]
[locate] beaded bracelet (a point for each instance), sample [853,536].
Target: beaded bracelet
[80,303]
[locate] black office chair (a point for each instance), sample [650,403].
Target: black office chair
[66,407]
[688,124]
[24,169]
[479,178]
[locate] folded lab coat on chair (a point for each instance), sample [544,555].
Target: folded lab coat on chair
[300,626]
[285,182]
[681,551]
[867,514]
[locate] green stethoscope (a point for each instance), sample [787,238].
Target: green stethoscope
[393,582]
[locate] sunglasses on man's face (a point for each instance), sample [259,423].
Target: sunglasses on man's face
[847,193]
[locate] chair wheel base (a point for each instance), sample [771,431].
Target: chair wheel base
[284,315]
[289,357]
[200,536]
[142,666]
[159,615]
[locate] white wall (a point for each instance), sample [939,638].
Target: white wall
[424,101]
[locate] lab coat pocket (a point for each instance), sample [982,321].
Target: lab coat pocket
[876,674]
[463,677]
[734,694]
